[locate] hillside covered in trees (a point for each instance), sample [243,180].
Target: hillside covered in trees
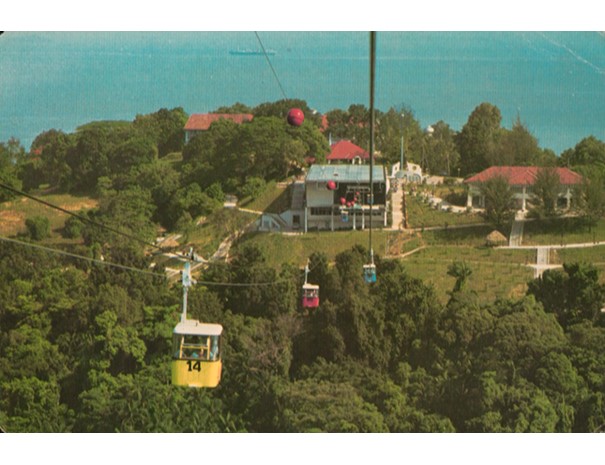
[85,347]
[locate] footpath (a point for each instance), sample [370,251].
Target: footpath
[542,251]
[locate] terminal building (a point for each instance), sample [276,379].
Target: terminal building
[338,197]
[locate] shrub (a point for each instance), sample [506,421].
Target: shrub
[38,227]
[73,228]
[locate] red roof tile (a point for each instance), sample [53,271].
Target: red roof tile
[346,150]
[522,175]
[201,122]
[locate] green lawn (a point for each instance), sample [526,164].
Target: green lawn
[274,199]
[471,236]
[496,273]
[296,249]
[421,214]
[593,255]
[561,231]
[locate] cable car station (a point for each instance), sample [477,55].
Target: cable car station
[338,197]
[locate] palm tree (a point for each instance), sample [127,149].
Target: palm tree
[461,271]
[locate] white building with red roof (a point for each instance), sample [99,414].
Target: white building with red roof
[347,152]
[521,179]
[198,122]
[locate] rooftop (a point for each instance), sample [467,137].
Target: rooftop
[196,328]
[523,175]
[345,173]
[347,150]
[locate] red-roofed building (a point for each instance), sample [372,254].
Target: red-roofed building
[201,122]
[347,152]
[521,179]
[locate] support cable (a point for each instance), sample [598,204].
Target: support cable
[270,65]
[372,124]
[80,217]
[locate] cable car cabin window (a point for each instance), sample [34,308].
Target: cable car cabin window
[189,347]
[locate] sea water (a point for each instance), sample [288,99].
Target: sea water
[553,81]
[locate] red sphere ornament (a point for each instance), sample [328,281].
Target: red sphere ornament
[296,117]
[331,185]
[343,201]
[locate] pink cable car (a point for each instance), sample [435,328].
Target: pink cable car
[310,298]
[310,293]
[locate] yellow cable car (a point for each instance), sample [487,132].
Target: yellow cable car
[197,354]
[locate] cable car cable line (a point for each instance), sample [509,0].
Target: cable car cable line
[369,270]
[80,257]
[270,65]
[80,217]
[138,270]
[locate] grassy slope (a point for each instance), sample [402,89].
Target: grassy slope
[14,213]
[561,231]
[496,273]
[421,214]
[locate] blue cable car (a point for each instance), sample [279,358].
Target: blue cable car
[369,273]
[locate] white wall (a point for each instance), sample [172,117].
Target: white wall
[319,195]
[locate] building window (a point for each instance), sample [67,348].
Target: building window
[321,211]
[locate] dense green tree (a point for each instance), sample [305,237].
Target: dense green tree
[162,181]
[166,129]
[442,155]
[51,167]
[560,381]
[479,139]
[573,294]
[73,228]
[590,151]
[88,159]
[249,267]
[280,109]
[409,312]
[128,211]
[38,227]
[235,108]
[135,150]
[546,190]
[518,147]
[391,127]
[352,125]
[589,198]
[8,172]
[145,402]
[267,148]
[463,333]
[522,334]
[498,201]
[253,187]
[520,408]
[319,406]
[32,405]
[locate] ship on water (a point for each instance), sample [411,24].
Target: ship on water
[251,52]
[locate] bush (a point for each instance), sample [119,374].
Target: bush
[253,187]
[38,227]
[73,228]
